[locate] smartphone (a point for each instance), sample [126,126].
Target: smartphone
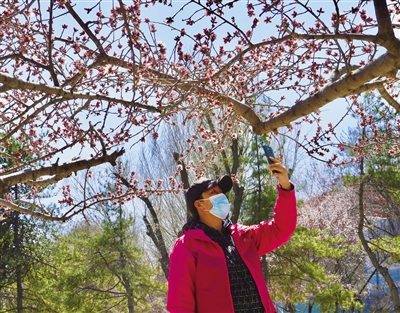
[269,153]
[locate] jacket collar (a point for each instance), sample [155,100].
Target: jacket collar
[197,224]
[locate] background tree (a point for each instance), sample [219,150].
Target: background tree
[22,242]
[261,187]
[84,81]
[378,201]
[99,267]
[333,216]
[357,199]
[299,273]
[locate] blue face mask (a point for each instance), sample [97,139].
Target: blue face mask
[220,205]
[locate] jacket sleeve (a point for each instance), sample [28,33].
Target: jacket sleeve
[181,288]
[269,235]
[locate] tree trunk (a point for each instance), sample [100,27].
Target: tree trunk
[154,233]
[237,190]
[18,269]
[290,307]
[184,177]
[157,237]
[336,307]
[129,294]
[125,278]
[264,266]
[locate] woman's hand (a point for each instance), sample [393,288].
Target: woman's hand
[281,173]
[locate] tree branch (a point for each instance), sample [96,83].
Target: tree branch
[385,29]
[385,95]
[340,88]
[26,211]
[15,83]
[59,171]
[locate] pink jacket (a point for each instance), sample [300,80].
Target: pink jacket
[198,278]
